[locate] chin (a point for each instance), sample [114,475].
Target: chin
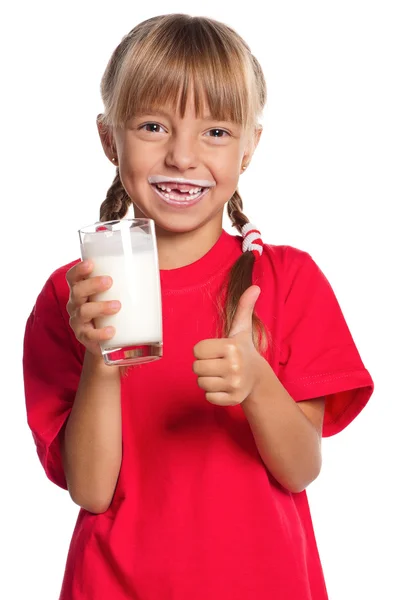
[180,220]
[182,223]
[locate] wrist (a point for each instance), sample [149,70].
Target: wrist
[96,364]
[262,381]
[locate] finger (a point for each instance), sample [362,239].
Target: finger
[213,384]
[91,310]
[88,335]
[84,289]
[217,348]
[217,367]
[243,319]
[79,271]
[219,398]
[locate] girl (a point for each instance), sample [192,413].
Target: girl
[191,471]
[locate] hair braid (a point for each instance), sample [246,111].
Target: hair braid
[235,211]
[117,201]
[240,278]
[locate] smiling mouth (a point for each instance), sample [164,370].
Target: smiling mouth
[180,193]
[180,198]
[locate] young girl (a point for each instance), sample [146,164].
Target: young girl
[191,471]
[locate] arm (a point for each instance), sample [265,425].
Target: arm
[231,372]
[287,434]
[91,446]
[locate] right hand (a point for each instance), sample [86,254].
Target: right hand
[82,311]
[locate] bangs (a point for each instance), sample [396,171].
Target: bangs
[160,70]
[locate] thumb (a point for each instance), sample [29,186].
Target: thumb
[244,313]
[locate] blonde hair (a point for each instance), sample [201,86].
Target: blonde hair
[155,65]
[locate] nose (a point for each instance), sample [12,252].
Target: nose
[182,151]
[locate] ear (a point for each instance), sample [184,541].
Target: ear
[257,136]
[107,140]
[252,145]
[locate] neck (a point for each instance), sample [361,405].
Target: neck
[180,249]
[177,250]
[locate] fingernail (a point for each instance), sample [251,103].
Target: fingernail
[114,304]
[106,281]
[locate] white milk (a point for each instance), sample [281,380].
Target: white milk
[136,284]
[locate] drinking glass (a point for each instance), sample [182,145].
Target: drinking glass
[126,250]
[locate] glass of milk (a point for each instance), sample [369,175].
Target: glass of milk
[126,250]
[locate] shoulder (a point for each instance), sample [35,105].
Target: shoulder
[284,262]
[55,288]
[58,277]
[285,256]
[48,322]
[298,278]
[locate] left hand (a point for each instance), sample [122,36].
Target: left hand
[228,368]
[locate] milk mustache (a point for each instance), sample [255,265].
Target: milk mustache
[128,257]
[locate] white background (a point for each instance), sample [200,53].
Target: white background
[323,179]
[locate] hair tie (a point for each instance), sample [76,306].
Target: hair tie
[252,241]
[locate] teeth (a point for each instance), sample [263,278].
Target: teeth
[167,189]
[194,193]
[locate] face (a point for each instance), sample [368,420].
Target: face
[158,146]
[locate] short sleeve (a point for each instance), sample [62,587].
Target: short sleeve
[51,369]
[318,354]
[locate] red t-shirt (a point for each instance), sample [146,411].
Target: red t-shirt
[195,514]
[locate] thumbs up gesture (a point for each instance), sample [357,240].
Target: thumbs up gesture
[229,368]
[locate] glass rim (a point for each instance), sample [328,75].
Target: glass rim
[91,228]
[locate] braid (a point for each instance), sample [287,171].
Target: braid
[235,212]
[116,203]
[240,278]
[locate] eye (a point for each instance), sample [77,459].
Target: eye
[219,133]
[152,125]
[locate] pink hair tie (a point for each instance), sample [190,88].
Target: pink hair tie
[252,241]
